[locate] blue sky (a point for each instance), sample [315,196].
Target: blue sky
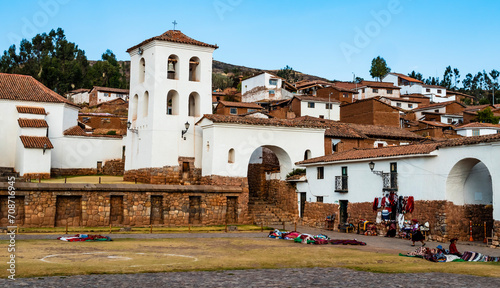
[331,39]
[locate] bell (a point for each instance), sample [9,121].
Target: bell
[171,67]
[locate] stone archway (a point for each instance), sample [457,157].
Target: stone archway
[470,191]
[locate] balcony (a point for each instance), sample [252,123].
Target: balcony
[341,184]
[390,181]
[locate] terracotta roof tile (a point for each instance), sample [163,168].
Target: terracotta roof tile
[174,36]
[376,84]
[407,78]
[435,105]
[317,99]
[435,123]
[32,123]
[78,131]
[240,104]
[479,125]
[31,110]
[112,90]
[376,131]
[36,142]
[26,88]
[262,121]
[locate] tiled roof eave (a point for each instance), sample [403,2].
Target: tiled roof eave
[414,155]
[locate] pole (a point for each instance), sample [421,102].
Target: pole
[189,228]
[109,228]
[485,241]
[284,225]
[66,228]
[295,226]
[470,231]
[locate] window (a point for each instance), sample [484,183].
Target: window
[363,90]
[310,104]
[172,103]
[475,132]
[398,104]
[230,156]
[194,106]
[142,70]
[307,154]
[344,171]
[345,95]
[135,102]
[233,111]
[319,199]
[145,104]
[394,167]
[273,82]
[334,147]
[439,91]
[271,93]
[251,110]
[410,105]
[389,91]
[320,172]
[172,72]
[450,120]
[427,90]
[194,69]
[329,106]
[106,94]
[437,110]
[321,116]
[375,90]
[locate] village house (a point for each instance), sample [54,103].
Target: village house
[408,85]
[104,123]
[78,96]
[402,103]
[266,86]
[369,89]
[104,94]
[313,106]
[35,120]
[461,97]
[371,111]
[236,108]
[470,112]
[421,99]
[450,112]
[343,95]
[432,129]
[478,129]
[307,87]
[450,182]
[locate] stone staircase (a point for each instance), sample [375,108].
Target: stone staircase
[7,172]
[262,211]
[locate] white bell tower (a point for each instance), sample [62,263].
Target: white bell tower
[170,90]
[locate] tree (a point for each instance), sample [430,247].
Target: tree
[486,116]
[289,74]
[447,77]
[359,80]
[220,81]
[416,75]
[379,68]
[456,75]
[107,72]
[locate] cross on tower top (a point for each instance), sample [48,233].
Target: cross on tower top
[175,24]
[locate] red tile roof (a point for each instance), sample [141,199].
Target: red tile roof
[78,131]
[32,123]
[479,125]
[346,85]
[112,90]
[31,110]
[407,78]
[174,36]
[317,99]
[262,121]
[376,84]
[433,86]
[36,142]
[436,105]
[435,123]
[26,88]
[240,104]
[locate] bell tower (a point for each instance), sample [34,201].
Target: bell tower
[170,90]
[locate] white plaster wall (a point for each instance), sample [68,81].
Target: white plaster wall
[80,98]
[111,96]
[482,131]
[245,139]
[158,142]
[84,152]
[9,131]
[33,161]
[320,110]
[33,131]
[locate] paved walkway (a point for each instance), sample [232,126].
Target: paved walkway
[306,277]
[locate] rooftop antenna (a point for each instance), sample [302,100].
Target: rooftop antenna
[175,24]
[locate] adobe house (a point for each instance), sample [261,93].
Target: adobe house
[236,108]
[341,94]
[370,111]
[304,105]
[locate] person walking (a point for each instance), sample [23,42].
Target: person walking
[416,233]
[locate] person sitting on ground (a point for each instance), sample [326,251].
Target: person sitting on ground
[453,247]
[392,230]
[417,235]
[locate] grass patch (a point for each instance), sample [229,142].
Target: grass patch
[209,254]
[92,179]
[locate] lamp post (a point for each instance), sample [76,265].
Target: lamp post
[186,125]
[133,130]
[372,166]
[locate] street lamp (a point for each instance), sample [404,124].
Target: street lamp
[372,166]
[186,130]
[133,130]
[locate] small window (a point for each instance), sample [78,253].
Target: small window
[185,167]
[310,104]
[273,82]
[410,105]
[106,94]
[344,170]
[233,111]
[380,145]
[321,116]
[251,110]
[450,120]
[335,147]
[329,106]
[319,199]
[345,95]
[375,90]
[363,90]
[321,172]
[398,104]
[230,156]
[394,167]
[271,93]
[389,91]
[427,90]
[475,132]
[307,154]
[437,110]
[439,91]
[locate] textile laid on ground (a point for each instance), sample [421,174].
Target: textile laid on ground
[319,239]
[84,237]
[439,255]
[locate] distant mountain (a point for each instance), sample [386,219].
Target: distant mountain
[224,68]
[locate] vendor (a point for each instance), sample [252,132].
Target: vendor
[453,247]
[391,232]
[416,234]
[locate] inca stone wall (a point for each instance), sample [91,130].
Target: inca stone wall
[315,214]
[49,205]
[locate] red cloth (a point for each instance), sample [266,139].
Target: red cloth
[410,205]
[453,249]
[375,204]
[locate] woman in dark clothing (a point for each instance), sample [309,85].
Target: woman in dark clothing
[417,235]
[391,232]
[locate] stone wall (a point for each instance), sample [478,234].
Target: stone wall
[315,213]
[110,167]
[283,195]
[114,167]
[184,174]
[49,205]
[36,176]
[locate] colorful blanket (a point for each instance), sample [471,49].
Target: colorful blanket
[304,238]
[84,237]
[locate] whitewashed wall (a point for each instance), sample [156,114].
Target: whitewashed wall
[320,110]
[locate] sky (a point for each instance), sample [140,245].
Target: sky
[331,39]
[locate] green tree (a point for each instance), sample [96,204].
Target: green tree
[107,72]
[379,68]
[486,116]
[416,75]
[447,78]
[289,74]
[456,75]
[220,81]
